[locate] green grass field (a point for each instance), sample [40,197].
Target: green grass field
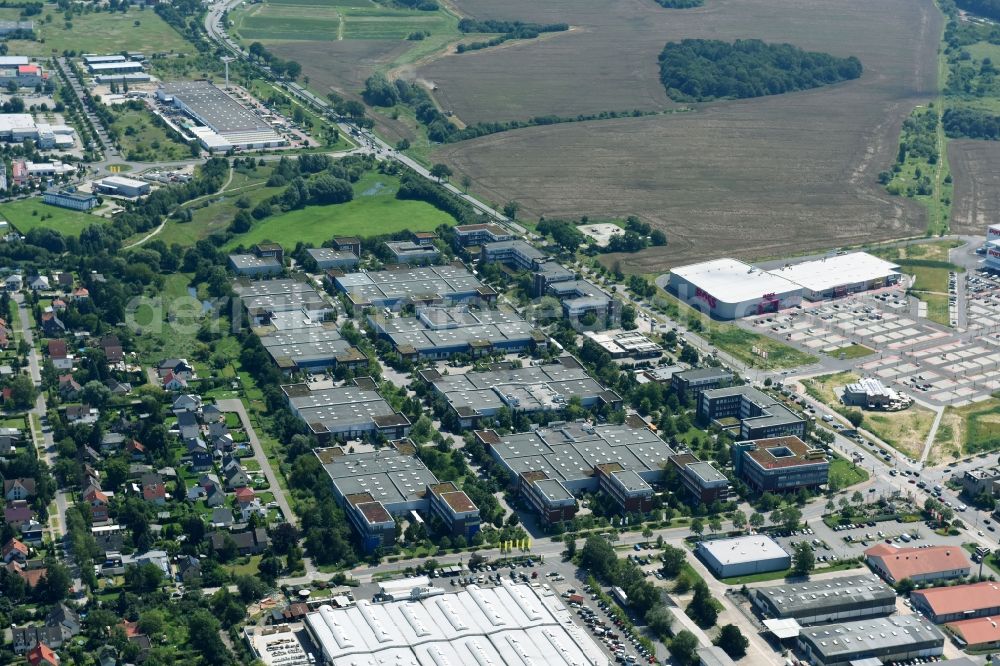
[104,32]
[375,210]
[851,351]
[213,215]
[142,140]
[844,474]
[30,214]
[739,342]
[930,283]
[968,429]
[354,19]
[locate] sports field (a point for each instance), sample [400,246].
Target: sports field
[374,210]
[29,214]
[104,32]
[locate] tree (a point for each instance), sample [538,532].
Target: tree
[22,392]
[905,586]
[659,621]
[739,519]
[251,588]
[857,498]
[326,189]
[732,641]
[702,608]
[791,517]
[804,560]
[570,541]
[714,524]
[855,418]
[756,520]
[511,208]
[673,560]
[441,171]
[599,556]
[683,647]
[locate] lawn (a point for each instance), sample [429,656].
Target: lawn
[375,210]
[739,343]
[170,325]
[930,282]
[968,429]
[905,431]
[143,140]
[29,214]
[851,351]
[844,473]
[214,215]
[104,32]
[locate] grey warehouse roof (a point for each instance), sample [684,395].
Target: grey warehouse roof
[435,328]
[214,107]
[571,451]
[532,388]
[812,596]
[385,286]
[389,476]
[877,634]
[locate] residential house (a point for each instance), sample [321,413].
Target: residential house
[18,489]
[26,638]
[59,355]
[58,304]
[81,293]
[65,619]
[153,489]
[112,443]
[42,655]
[186,403]
[189,570]
[82,414]
[118,388]
[173,382]
[201,457]
[214,494]
[233,474]
[112,349]
[176,366]
[222,516]
[52,326]
[250,542]
[14,550]
[13,282]
[31,577]
[135,450]
[219,436]
[31,532]
[38,283]
[17,514]
[69,388]
[98,502]
[64,280]
[212,414]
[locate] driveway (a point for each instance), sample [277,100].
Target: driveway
[235,405]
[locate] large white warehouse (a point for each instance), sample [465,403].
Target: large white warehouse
[506,624]
[840,275]
[740,556]
[993,248]
[730,289]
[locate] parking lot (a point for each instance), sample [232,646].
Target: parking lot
[918,358]
[588,610]
[284,645]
